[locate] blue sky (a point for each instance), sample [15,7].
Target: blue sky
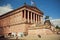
[49,7]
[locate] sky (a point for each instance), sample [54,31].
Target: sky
[48,7]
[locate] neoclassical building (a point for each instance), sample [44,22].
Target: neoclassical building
[22,21]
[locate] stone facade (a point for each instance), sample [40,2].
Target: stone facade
[22,20]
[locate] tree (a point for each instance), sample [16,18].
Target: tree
[57,27]
[47,17]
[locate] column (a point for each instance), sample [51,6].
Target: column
[41,19]
[28,17]
[34,17]
[24,14]
[31,17]
[37,18]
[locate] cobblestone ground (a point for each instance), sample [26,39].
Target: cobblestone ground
[31,37]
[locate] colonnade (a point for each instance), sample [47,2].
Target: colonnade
[31,17]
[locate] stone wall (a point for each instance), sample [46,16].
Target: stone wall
[13,23]
[40,32]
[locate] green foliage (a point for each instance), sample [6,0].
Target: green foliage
[47,17]
[57,27]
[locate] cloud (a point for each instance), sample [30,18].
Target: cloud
[55,22]
[5,8]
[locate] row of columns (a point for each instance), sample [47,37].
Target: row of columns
[35,18]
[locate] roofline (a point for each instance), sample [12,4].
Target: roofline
[12,11]
[20,8]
